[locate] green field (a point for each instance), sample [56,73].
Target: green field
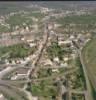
[89,57]
[82,19]
[4,29]
[44,89]
[17,51]
[77,23]
[18,19]
[38,15]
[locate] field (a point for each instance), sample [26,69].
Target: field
[82,19]
[76,23]
[17,51]
[89,57]
[18,19]
[4,29]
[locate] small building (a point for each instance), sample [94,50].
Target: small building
[72,37]
[2,97]
[34,98]
[66,59]
[73,56]
[55,70]
[65,42]
[63,64]
[48,62]
[22,38]
[6,61]
[32,44]
[13,62]
[20,74]
[56,59]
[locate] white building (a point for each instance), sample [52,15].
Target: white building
[66,59]
[34,98]
[56,59]
[64,65]
[55,70]
[2,97]
[48,62]
[19,76]
[32,44]
[65,42]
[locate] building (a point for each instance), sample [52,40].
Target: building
[64,42]
[35,98]
[2,97]
[20,74]
[46,62]
[55,70]
[56,60]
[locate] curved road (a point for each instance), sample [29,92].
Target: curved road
[89,95]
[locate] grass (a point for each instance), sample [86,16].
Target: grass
[77,97]
[77,78]
[4,28]
[55,51]
[18,19]
[37,15]
[89,57]
[17,51]
[44,89]
[78,23]
[82,19]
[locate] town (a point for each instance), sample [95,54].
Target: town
[41,54]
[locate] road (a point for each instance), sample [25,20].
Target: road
[42,46]
[88,85]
